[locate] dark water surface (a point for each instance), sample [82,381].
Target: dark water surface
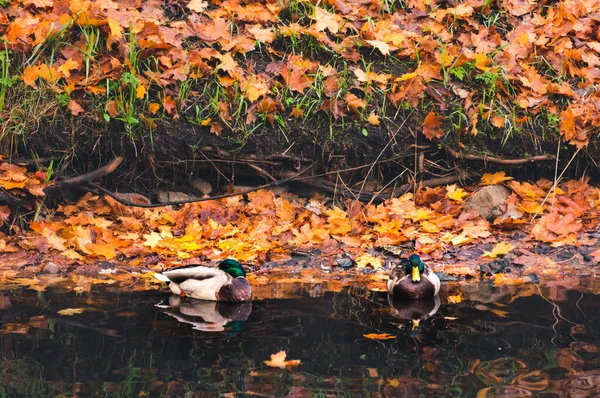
[124,345]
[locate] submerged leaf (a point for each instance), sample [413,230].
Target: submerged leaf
[278,361]
[70,311]
[379,336]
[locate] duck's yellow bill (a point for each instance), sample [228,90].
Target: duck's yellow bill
[416,275]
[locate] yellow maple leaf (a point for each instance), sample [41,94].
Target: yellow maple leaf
[499,250]
[278,361]
[455,194]
[493,179]
[407,76]
[368,259]
[531,207]
[379,336]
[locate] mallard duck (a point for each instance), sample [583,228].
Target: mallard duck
[227,282]
[209,316]
[414,311]
[413,280]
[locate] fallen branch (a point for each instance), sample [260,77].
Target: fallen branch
[493,159]
[182,202]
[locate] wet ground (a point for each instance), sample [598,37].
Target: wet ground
[533,341]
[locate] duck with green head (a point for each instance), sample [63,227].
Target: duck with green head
[227,282]
[413,280]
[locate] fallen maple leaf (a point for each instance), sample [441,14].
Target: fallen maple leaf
[373,119]
[455,194]
[382,46]
[493,179]
[278,361]
[379,336]
[432,126]
[197,5]
[498,250]
[368,259]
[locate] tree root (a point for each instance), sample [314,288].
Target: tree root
[493,159]
[87,177]
[182,202]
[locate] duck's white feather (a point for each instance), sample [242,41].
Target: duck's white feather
[206,289]
[161,277]
[435,281]
[200,272]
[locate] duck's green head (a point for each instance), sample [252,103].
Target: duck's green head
[415,267]
[232,267]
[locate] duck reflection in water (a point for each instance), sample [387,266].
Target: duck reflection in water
[210,316]
[414,311]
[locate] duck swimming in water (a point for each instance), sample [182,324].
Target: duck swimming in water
[413,280]
[226,283]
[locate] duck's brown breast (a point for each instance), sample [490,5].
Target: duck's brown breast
[238,290]
[408,289]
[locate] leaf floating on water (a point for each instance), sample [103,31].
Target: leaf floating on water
[278,361]
[455,299]
[500,249]
[379,336]
[70,311]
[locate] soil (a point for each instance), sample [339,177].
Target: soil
[178,151]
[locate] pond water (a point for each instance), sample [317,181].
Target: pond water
[137,345]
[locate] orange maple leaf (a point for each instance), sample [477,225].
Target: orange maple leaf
[493,179]
[432,126]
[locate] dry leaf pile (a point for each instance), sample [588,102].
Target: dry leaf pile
[265,228]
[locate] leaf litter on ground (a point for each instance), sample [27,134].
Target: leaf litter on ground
[100,241]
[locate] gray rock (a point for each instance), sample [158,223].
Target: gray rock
[487,201]
[202,186]
[345,262]
[444,277]
[50,268]
[169,196]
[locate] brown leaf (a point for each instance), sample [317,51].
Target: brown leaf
[75,108]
